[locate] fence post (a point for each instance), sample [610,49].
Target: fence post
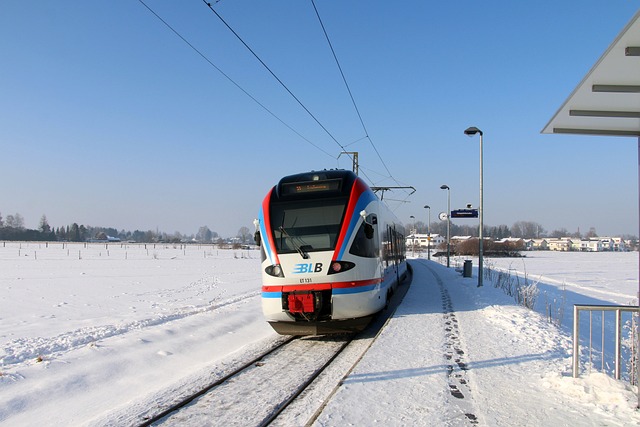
[576,341]
[618,343]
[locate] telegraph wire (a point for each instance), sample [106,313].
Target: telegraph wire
[343,148]
[209,5]
[203,56]
[356,141]
[401,186]
[335,57]
[344,79]
[273,74]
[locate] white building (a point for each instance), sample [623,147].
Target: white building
[536,244]
[619,244]
[563,244]
[422,240]
[616,244]
[588,245]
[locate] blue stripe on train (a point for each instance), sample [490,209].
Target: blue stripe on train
[335,291]
[272,295]
[359,289]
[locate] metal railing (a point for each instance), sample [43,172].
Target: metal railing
[617,358]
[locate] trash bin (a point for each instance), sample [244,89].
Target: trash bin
[466,268]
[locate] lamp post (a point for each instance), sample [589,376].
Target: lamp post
[470,132]
[446,187]
[428,233]
[413,233]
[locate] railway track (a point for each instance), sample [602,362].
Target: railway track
[276,381]
[273,380]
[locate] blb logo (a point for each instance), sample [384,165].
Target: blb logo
[307,268]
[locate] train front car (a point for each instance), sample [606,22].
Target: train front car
[330,259]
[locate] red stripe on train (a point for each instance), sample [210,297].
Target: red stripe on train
[321,286]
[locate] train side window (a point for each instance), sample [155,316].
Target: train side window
[263,254]
[385,246]
[365,244]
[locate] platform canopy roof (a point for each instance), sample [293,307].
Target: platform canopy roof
[607,101]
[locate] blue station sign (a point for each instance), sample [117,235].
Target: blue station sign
[464,213]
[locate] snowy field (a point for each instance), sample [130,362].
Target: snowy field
[603,277]
[94,334]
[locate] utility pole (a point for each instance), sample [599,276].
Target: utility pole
[354,158]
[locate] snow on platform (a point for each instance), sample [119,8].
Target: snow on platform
[503,365]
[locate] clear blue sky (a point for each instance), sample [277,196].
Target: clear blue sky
[107,118]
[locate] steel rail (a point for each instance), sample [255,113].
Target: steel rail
[184,402]
[284,404]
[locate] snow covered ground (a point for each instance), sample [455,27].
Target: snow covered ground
[97,334]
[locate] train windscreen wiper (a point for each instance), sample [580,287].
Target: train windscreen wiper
[297,247]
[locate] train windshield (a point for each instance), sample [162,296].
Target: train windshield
[307,225]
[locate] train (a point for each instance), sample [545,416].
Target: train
[332,253]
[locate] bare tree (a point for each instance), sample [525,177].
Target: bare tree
[591,233]
[527,229]
[15,221]
[204,234]
[561,232]
[244,234]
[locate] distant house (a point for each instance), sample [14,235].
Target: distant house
[461,238]
[600,244]
[619,244]
[536,244]
[510,245]
[591,245]
[436,240]
[607,243]
[515,240]
[579,245]
[422,240]
[616,244]
[563,244]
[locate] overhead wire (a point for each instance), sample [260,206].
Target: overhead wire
[272,73]
[208,4]
[408,190]
[344,79]
[335,57]
[342,147]
[356,141]
[225,75]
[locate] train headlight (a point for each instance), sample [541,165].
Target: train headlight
[340,266]
[274,270]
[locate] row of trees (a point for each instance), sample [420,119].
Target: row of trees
[12,228]
[492,248]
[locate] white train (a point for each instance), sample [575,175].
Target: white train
[332,253]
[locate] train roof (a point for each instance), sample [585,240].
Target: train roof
[319,175]
[333,181]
